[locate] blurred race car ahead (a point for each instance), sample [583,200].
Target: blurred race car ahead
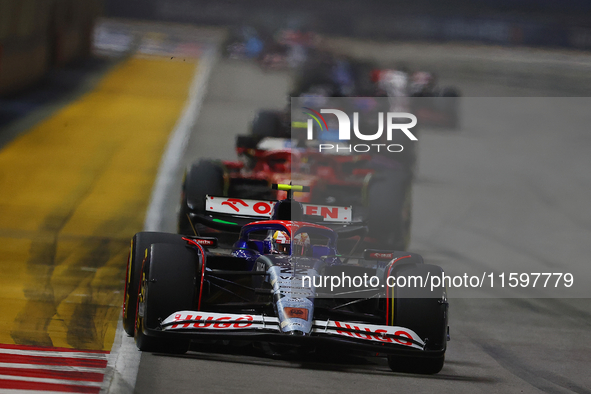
[277,287]
[377,187]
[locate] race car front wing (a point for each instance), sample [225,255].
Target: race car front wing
[371,337]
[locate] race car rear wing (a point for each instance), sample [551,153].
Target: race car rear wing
[231,214]
[262,209]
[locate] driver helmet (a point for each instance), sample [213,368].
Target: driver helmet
[301,244]
[281,242]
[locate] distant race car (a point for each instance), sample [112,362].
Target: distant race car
[286,48]
[269,289]
[327,74]
[434,105]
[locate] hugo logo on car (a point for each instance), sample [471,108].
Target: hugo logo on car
[188,319]
[378,334]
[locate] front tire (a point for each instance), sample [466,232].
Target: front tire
[169,283]
[137,253]
[424,312]
[389,206]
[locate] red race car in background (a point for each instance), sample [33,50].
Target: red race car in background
[377,189]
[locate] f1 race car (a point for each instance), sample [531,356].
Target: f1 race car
[286,48]
[330,75]
[277,286]
[383,203]
[379,187]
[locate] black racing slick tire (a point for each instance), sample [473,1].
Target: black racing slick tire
[137,253]
[206,177]
[389,210]
[169,283]
[423,311]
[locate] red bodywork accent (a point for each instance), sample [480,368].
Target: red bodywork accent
[290,226]
[284,166]
[195,243]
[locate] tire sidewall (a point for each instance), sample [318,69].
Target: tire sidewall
[137,255]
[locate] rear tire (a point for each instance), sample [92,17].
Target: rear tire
[389,209]
[425,313]
[139,246]
[169,284]
[206,177]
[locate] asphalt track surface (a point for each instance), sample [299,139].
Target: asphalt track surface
[508,192]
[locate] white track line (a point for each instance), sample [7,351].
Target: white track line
[46,353]
[60,368]
[124,359]
[170,163]
[123,364]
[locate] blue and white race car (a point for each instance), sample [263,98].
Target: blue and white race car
[284,284]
